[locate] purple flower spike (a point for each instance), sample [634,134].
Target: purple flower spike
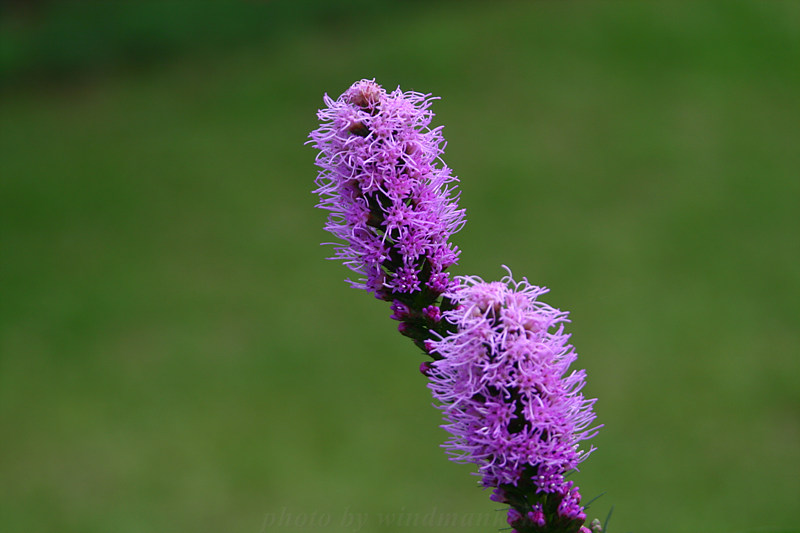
[510,402]
[390,196]
[501,359]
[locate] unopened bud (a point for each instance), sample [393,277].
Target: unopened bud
[400,311]
[425,368]
[432,313]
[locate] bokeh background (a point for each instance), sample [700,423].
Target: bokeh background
[177,355]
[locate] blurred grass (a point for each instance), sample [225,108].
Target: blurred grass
[56,39]
[175,353]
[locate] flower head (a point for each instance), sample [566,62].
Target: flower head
[390,197]
[511,403]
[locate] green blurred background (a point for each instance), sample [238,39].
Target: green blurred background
[177,355]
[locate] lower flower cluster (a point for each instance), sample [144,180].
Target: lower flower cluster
[510,401]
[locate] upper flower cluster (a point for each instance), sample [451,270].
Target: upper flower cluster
[509,399]
[388,192]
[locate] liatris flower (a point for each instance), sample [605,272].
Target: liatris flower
[390,196]
[510,401]
[501,357]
